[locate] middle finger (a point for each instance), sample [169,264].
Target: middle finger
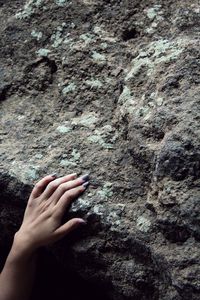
[63,187]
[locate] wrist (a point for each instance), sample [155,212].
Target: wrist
[21,249]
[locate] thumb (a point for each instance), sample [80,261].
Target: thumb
[68,227]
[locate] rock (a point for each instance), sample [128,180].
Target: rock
[109,88]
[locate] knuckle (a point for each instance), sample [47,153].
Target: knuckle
[69,195]
[52,185]
[62,188]
[38,185]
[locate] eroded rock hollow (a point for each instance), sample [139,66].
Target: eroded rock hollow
[109,88]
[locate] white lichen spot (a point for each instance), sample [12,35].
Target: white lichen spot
[75,155]
[125,95]
[94,83]
[153,12]
[87,37]
[127,102]
[28,9]
[69,88]
[107,191]
[100,135]
[99,140]
[57,37]
[63,129]
[98,57]
[43,52]
[104,45]
[80,204]
[103,34]
[86,119]
[36,34]
[39,156]
[67,163]
[60,2]
[143,224]
[72,160]
[98,209]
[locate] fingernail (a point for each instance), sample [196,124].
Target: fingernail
[85,177]
[54,175]
[74,175]
[83,222]
[86,184]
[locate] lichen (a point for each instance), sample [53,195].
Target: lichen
[36,34]
[143,224]
[154,54]
[75,155]
[63,129]
[28,9]
[94,83]
[43,52]
[98,57]
[67,163]
[24,171]
[69,88]
[86,119]
[57,37]
[106,191]
[87,37]
[71,160]
[153,12]
[61,2]
[125,95]
[100,135]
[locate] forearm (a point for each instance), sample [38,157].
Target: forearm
[17,277]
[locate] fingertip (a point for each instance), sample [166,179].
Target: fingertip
[54,175]
[81,222]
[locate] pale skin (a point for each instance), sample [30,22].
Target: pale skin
[41,226]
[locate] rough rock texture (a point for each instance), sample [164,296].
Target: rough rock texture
[110,88]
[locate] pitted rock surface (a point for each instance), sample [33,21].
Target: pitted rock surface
[109,88]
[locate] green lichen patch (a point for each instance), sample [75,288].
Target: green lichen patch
[63,129]
[105,137]
[87,37]
[98,57]
[69,88]
[86,120]
[71,160]
[154,54]
[125,96]
[153,12]
[57,37]
[94,83]
[24,171]
[75,155]
[28,9]
[43,52]
[143,224]
[36,34]
[61,2]
[106,191]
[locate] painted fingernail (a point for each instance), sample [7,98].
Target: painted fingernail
[85,177]
[86,184]
[54,175]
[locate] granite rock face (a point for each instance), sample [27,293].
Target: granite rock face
[110,88]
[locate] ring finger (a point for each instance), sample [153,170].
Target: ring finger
[63,187]
[52,186]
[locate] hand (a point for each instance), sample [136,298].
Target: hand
[45,208]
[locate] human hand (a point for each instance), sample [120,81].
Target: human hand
[45,208]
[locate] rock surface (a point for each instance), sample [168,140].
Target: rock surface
[110,88]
